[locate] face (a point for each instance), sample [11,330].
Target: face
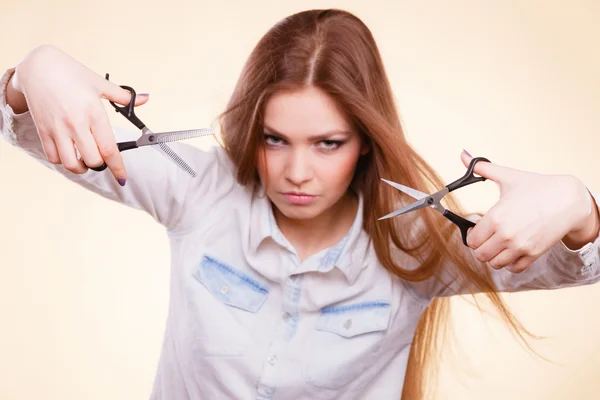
[311,153]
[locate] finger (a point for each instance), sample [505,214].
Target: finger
[68,158]
[121,96]
[105,141]
[495,172]
[520,265]
[86,145]
[490,248]
[506,257]
[50,149]
[481,232]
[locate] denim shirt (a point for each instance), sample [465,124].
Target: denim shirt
[247,319]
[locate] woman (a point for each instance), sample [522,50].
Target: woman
[284,283]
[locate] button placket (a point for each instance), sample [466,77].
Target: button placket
[272,359]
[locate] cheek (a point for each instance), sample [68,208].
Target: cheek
[340,171]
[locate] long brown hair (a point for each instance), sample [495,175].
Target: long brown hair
[334,51]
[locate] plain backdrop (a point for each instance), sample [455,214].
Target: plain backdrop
[84,281]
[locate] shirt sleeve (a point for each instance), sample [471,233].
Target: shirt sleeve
[558,267]
[155,184]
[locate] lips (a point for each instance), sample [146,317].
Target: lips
[297,194]
[298,198]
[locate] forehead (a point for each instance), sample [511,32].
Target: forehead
[303,112]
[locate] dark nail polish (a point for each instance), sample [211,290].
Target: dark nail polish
[121,181]
[467,153]
[144,94]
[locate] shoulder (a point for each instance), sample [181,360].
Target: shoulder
[214,190]
[215,172]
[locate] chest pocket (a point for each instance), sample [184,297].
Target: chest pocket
[226,307]
[345,342]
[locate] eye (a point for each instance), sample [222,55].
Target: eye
[271,140]
[330,145]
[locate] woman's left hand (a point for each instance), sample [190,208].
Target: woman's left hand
[534,212]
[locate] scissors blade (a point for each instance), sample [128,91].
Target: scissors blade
[411,207]
[419,196]
[150,138]
[182,135]
[415,194]
[164,149]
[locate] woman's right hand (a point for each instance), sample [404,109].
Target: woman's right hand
[64,98]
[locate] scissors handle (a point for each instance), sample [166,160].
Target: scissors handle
[469,177]
[463,224]
[122,147]
[127,110]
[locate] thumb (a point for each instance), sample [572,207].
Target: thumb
[121,96]
[489,170]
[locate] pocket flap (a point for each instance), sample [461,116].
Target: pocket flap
[231,286]
[355,319]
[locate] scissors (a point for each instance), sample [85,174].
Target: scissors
[433,200]
[150,138]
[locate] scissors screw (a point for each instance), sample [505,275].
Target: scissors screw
[151,138]
[430,200]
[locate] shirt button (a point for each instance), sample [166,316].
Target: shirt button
[272,360]
[348,324]
[225,289]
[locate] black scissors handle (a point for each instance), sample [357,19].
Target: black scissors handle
[464,224]
[128,112]
[469,177]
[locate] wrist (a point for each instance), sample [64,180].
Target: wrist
[588,206]
[15,90]
[589,228]
[14,96]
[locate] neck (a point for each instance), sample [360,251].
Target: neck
[309,236]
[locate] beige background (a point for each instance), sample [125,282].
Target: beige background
[84,281]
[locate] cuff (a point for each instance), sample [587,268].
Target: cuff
[9,119]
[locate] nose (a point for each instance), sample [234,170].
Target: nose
[299,168]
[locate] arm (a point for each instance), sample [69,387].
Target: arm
[559,267]
[155,184]
[573,261]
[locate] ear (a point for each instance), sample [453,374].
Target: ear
[365,144]
[364,149]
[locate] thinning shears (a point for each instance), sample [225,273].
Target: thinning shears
[150,138]
[433,200]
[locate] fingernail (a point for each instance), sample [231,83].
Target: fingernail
[144,94]
[121,181]
[467,153]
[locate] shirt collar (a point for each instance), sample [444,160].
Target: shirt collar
[347,255]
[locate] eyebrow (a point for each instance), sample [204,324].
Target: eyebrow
[323,136]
